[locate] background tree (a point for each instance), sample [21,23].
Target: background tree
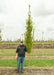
[33,34]
[28,33]
[0,35]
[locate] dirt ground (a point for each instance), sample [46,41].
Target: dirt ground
[32,52]
[27,71]
[31,57]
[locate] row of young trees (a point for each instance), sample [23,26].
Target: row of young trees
[0,35]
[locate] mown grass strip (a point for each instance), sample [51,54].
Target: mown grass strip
[31,54]
[7,50]
[33,50]
[43,50]
[33,62]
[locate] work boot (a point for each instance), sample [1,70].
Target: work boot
[21,71]
[15,69]
[17,72]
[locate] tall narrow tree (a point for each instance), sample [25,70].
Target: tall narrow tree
[28,33]
[0,36]
[33,34]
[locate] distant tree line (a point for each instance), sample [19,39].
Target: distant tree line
[18,40]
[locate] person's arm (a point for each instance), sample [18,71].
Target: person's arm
[25,52]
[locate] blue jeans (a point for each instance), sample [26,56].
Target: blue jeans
[20,60]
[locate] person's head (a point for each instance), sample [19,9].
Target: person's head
[21,43]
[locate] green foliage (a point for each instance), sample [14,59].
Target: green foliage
[0,35]
[28,33]
[0,38]
[10,41]
[33,34]
[18,40]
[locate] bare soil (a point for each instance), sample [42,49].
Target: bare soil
[31,57]
[32,52]
[27,71]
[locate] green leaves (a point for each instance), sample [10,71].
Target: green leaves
[0,36]
[28,33]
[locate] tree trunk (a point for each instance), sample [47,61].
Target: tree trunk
[29,61]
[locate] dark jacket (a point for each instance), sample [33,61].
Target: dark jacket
[21,49]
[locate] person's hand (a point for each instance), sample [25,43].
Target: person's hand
[16,57]
[26,56]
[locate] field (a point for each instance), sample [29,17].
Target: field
[33,50]
[33,62]
[38,62]
[31,54]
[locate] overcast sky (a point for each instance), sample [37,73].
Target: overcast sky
[13,15]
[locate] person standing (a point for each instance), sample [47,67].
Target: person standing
[21,53]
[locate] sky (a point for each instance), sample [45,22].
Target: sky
[13,15]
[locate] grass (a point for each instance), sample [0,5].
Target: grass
[8,54]
[31,54]
[33,50]
[7,50]
[43,50]
[33,62]
[41,54]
